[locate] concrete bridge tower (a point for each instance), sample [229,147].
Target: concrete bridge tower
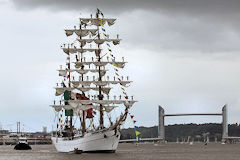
[224,122]
[161,129]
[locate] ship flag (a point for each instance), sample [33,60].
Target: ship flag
[137,133]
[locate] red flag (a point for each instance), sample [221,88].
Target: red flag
[119,79]
[131,116]
[126,97]
[78,96]
[89,113]
[68,76]
[83,97]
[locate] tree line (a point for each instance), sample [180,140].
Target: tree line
[196,132]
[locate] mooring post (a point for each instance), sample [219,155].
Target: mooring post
[161,130]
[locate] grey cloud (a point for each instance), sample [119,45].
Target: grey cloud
[31,56]
[172,6]
[173,25]
[176,34]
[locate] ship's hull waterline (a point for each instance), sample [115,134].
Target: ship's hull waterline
[105,141]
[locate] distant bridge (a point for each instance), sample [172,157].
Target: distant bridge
[195,114]
[162,115]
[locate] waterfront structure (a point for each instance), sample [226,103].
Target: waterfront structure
[44,129]
[162,115]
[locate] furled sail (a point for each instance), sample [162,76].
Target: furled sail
[60,90]
[75,103]
[81,32]
[80,50]
[99,83]
[105,90]
[101,64]
[84,83]
[77,107]
[58,108]
[63,72]
[98,41]
[107,108]
[97,21]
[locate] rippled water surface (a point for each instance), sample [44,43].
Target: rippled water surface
[170,151]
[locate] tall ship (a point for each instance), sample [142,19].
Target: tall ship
[92,101]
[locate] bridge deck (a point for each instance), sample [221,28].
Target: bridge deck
[195,114]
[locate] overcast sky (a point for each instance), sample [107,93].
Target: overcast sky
[182,54]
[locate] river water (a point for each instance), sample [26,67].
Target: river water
[170,151]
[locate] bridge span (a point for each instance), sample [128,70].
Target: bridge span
[162,115]
[194,114]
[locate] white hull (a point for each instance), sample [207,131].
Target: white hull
[90,142]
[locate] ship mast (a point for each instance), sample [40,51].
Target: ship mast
[69,92]
[83,112]
[100,96]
